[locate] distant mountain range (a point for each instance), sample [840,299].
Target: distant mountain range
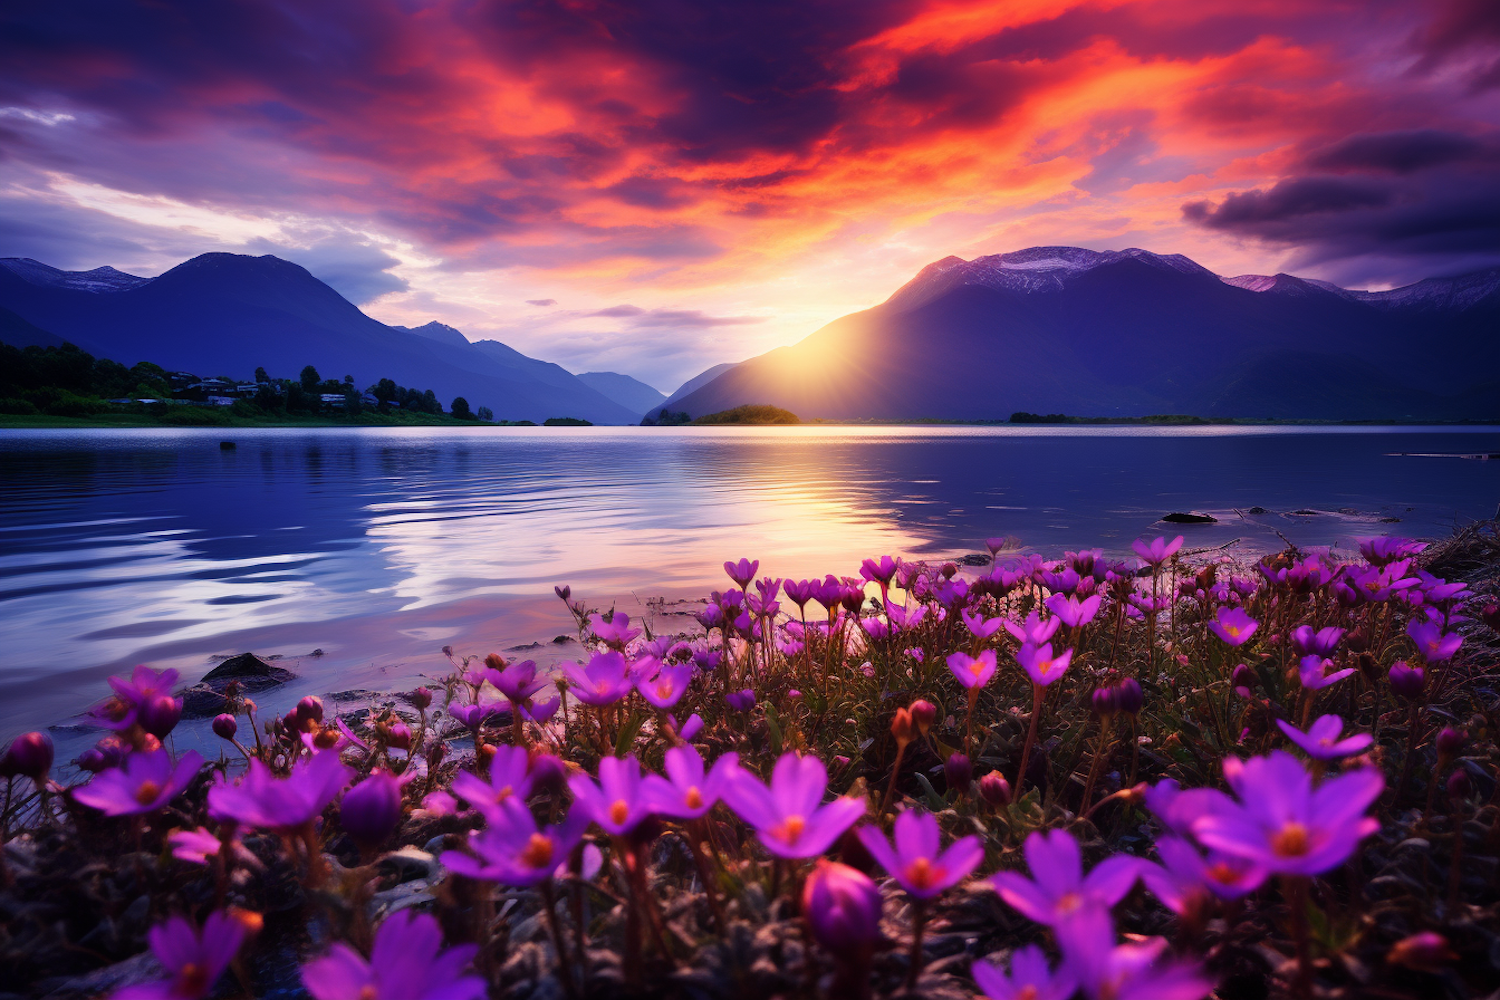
[1133,333]
[226,314]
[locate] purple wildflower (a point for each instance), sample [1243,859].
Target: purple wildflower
[1179,809]
[542,711]
[1060,890]
[1035,631]
[980,626]
[518,682]
[371,809]
[405,964]
[1031,978]
[1125,972]
[879,571]
[741,701]
[1158,551]
[468,716]
[787,815]
[616,802]
[1383,549]
[195,959]
[616,632]
[31,754]
[1323,641]
[602,682]
[1322,742]
[1071,611]
[281,805]
[799,592]
[1432,644]
[1282,823]
[1040,665]
[973,671]
[512,850]
[1314,671]
[667,686]
[198,845]
[143,783]
[1184,876]
[688,791]
[1234,626]
[917,861]
[742,572]
[687,730]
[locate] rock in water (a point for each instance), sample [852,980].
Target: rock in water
[1180,518]
[248,670]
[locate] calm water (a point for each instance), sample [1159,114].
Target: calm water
[379,546]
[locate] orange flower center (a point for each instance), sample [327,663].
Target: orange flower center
[693,798]
[1069,903]
[1290,841]
[1223,873]
[538,852]
[147,793]
[924,874]
[791,828]
[619,811]
[192,980]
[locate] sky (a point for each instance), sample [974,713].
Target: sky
[657,187]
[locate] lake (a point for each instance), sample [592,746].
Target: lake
[378,546]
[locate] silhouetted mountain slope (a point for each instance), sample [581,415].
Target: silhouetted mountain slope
[1130,333]
[698,381]
[226,314]
[630,393]
[16,332]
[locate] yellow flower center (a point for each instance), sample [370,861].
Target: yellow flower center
[618,812]
[693,798]
[1290,841]
[147,793]
[538,852]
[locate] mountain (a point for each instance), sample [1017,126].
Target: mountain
[630,393]
[1133,333]
[697,382]
[226,314]
[16,332]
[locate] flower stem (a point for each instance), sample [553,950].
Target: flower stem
[890,790]
[919,924]
[564,967]
[1294,887]
[1036,710]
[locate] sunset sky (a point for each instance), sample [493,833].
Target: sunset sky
[657,187]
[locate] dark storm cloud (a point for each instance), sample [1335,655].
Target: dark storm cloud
[1400,152]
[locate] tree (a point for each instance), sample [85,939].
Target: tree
[486,414]
[261,376]
[461,409]
[385,392]
[349,380]
[310,379]
[352,403]
[429,402]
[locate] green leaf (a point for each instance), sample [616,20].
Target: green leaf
[935,802]
[628,733]
[773,729]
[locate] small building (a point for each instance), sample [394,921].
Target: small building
[333,399]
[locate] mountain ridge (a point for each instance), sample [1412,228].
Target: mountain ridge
[1131,333]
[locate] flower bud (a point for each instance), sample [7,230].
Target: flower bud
[397,735]
[923,715]
[564,592]
[30,755]
[436,751]
[902,727]
[1450,742]
[371,809]
[225,726]
[310,708]
[1357,641]
[842,908]
[548,774]
[959,773]
[159,714]
[92,760]
[1425,952]
[1105,702]
[420,699]
[1491,616]
[1459,785]
[994,789]
[1129,697]
[495,661]
[326,738]
[1406,681]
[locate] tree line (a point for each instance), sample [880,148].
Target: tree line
[68,381]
